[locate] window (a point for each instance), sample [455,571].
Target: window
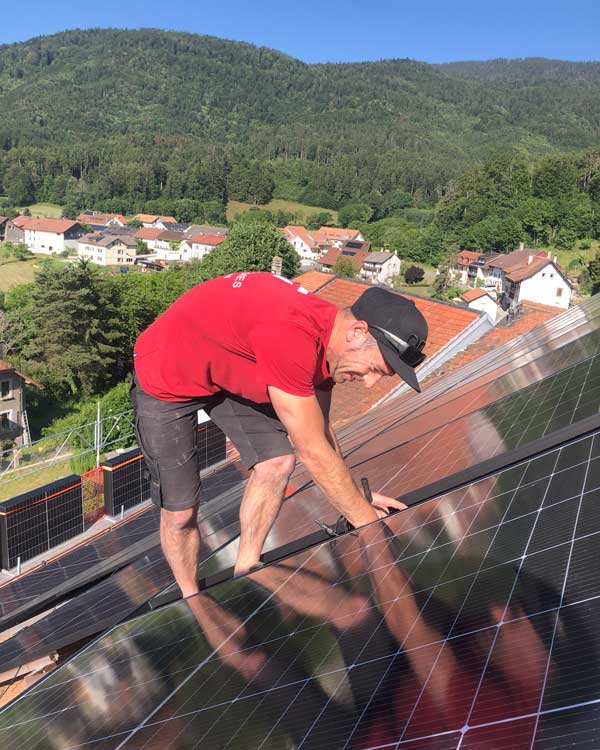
[4,388]
[559,292]
[4,421]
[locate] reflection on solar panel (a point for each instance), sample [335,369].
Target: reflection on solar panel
[468,622]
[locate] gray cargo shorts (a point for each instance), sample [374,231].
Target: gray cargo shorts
[166,433]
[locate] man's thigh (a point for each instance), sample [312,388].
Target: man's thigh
[166,433]
[254,429]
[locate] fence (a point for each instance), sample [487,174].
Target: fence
[38,520]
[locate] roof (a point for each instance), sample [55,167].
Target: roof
[532,315]
[171,236]
[356,257]
[173,226]
[208,239]
[379,257]
[474,294]
[99,217]
[7,367]
[516,258]
[303,233]
[150,218]
[21,220]
[339,233]
[3,219]
[105,240]
[148,233]
[194,229]
[466,257]
[445,322]
[527,270]
[57,226]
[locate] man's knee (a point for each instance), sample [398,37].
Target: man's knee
[179,520]
[279,468]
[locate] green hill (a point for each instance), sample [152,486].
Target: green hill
[139,116]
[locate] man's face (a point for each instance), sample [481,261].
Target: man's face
[361,360]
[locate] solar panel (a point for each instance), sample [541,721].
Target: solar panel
[468,621]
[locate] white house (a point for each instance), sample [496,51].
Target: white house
[380,267]
[51,236]
[201,245]
[337,236]
[480,299]
[303,242]
[107,249]
[539,279]
[100,220]
[151,220]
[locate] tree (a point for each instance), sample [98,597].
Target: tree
[344,267]
[356,213]
[414,274]
[75,344]
[251,245]
[594,274]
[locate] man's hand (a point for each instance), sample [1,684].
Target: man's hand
[384,505]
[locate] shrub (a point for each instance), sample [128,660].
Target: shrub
[414,274]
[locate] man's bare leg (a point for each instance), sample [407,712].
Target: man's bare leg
[180,540]
[260,506]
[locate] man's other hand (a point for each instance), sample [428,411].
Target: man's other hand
[384,505]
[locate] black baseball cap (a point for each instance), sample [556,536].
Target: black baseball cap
[398,327]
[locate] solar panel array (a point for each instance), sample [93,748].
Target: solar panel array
[468,621]
[35,521]
[126,482]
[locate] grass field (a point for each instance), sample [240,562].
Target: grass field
[302,212]
[17,272]
[49,210]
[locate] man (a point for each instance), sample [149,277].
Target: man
[260,355]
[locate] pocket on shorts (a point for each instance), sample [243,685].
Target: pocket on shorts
[151,471]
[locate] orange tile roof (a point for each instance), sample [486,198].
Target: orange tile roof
[7,367]
[445,322]
[339,233]
[149,218]
[208,239]
[357,258]
[516,258]
[474,294]
[21,220]
[466,257]
[532,315]
[312,280]
[57,226]
[98,217]
[303,233]
[148,233]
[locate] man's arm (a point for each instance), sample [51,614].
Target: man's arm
[324,399]
[302,417]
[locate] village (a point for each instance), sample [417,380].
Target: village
[496,284]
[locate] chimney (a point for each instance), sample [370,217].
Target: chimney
[529,260]
[276,265]
[521,246]
[549,255]
[554,260]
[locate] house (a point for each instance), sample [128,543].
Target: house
[52,236]
[304,242]
[356,252]
[480,299]
[100,220]
[199,246]
[468,268]
[380,268]
[195,229]
[150,220]
[172,226]
[108,249]
[167,246]
[537,279]
[337,236]
[13,415]
[14,229]
[148,235]
[3,220]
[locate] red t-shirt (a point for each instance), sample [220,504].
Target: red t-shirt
[238,333]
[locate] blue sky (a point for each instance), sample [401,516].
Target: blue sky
[342,30]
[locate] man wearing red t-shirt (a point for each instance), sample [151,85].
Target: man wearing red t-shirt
[260,355]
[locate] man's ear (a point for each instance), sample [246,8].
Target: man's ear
[357,331]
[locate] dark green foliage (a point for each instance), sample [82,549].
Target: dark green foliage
[251,245]
[344,267]
[414,274]
[593,277]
